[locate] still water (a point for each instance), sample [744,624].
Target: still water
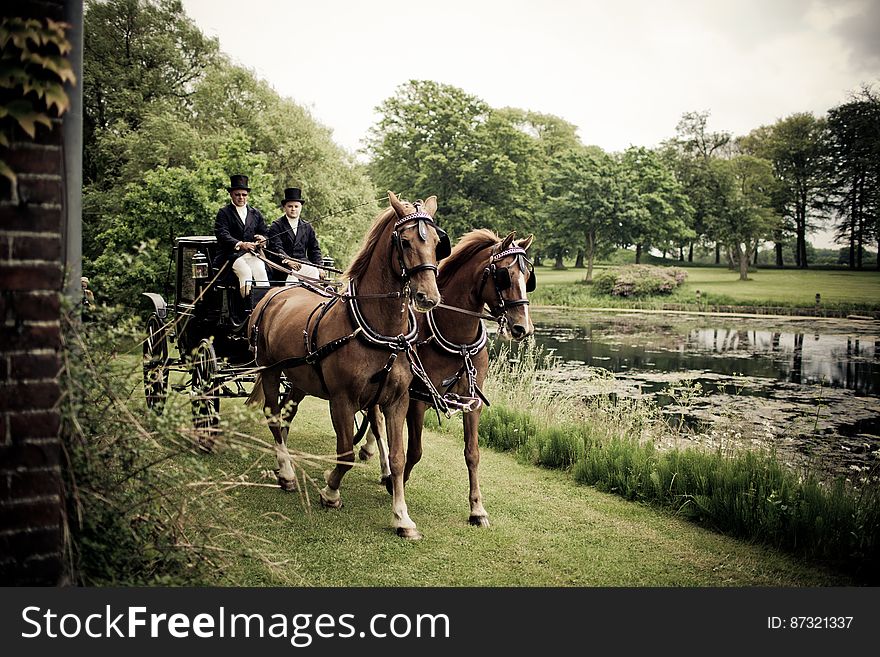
[810,386]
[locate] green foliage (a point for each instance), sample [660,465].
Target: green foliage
[127,519]
[638,280]
[749,494]
[437,139]
[161,145]
[33,71]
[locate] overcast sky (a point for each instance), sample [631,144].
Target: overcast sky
[622,71]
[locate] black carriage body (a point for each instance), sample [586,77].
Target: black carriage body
[204,307]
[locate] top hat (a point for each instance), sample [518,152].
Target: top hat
[292,194]
[238,182]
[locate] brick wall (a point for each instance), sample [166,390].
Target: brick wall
[31,278]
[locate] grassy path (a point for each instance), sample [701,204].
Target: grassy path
[546,530]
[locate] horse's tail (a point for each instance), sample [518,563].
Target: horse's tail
[258,395]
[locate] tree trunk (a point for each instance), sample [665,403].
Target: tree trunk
[579,261]
[717,253]
[681,253]
[691,252]
[638,254]
[779,259]
[559,264]
[589,278]
[743,256]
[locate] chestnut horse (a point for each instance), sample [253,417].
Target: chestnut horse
[345,348]
[483,270]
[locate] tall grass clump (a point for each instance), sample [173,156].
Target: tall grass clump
[135,481]
[613,445]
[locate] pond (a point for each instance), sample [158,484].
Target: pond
[809,387]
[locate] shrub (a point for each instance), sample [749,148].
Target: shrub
[638,280]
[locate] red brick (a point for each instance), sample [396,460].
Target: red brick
[29,483]
[25,396]
[43,424]
[36,248]
[35,366]
[25,336]
[30,277]
[45,570]
[40,9]
[31,305]
[39,190]
[43,541]
[34,158]
[45,513]
[16,456]
[37,219]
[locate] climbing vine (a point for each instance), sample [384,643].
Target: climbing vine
[33,71]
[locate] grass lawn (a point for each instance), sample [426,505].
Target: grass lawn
[765,287]
[546,530]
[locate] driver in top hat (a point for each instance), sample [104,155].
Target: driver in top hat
[293,237]
[240,230]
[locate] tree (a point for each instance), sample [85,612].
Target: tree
[794,145]
[653,208]
[136,54]
[583,199]
[745,215]
[437,139]
[165,141]
[690,155]
[854,155]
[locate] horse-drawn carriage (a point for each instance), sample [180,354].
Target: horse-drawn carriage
[360,348]
[208,323]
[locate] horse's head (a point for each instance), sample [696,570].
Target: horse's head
[507,279]
[417,245]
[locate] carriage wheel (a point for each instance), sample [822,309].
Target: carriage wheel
[205,398]
[156,365]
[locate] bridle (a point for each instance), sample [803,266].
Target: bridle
[421,220]
[501,280]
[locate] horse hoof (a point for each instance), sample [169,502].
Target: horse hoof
[331,504]
[409,534]
[389,484]
[364,455]
[479,521]
[287,484]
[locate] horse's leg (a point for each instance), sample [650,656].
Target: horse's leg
[376,443]
[342,413]
[478,517]
[374,435]
[415,422]
[271,380]
[394,418]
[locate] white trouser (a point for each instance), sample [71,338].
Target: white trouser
[250,268]
[305,270]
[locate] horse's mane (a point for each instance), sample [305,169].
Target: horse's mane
[358,266]
[469,245]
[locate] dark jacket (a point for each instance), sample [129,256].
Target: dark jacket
[230,231]
[302,247]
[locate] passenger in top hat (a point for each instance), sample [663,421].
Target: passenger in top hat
[240,229]
[293,237]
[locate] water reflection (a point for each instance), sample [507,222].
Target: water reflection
[797,357]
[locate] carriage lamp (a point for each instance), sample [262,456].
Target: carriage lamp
[199,266]
[328,262]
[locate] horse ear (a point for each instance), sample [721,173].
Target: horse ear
[526,242]
[507,241]
[430,205]
[396,204]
